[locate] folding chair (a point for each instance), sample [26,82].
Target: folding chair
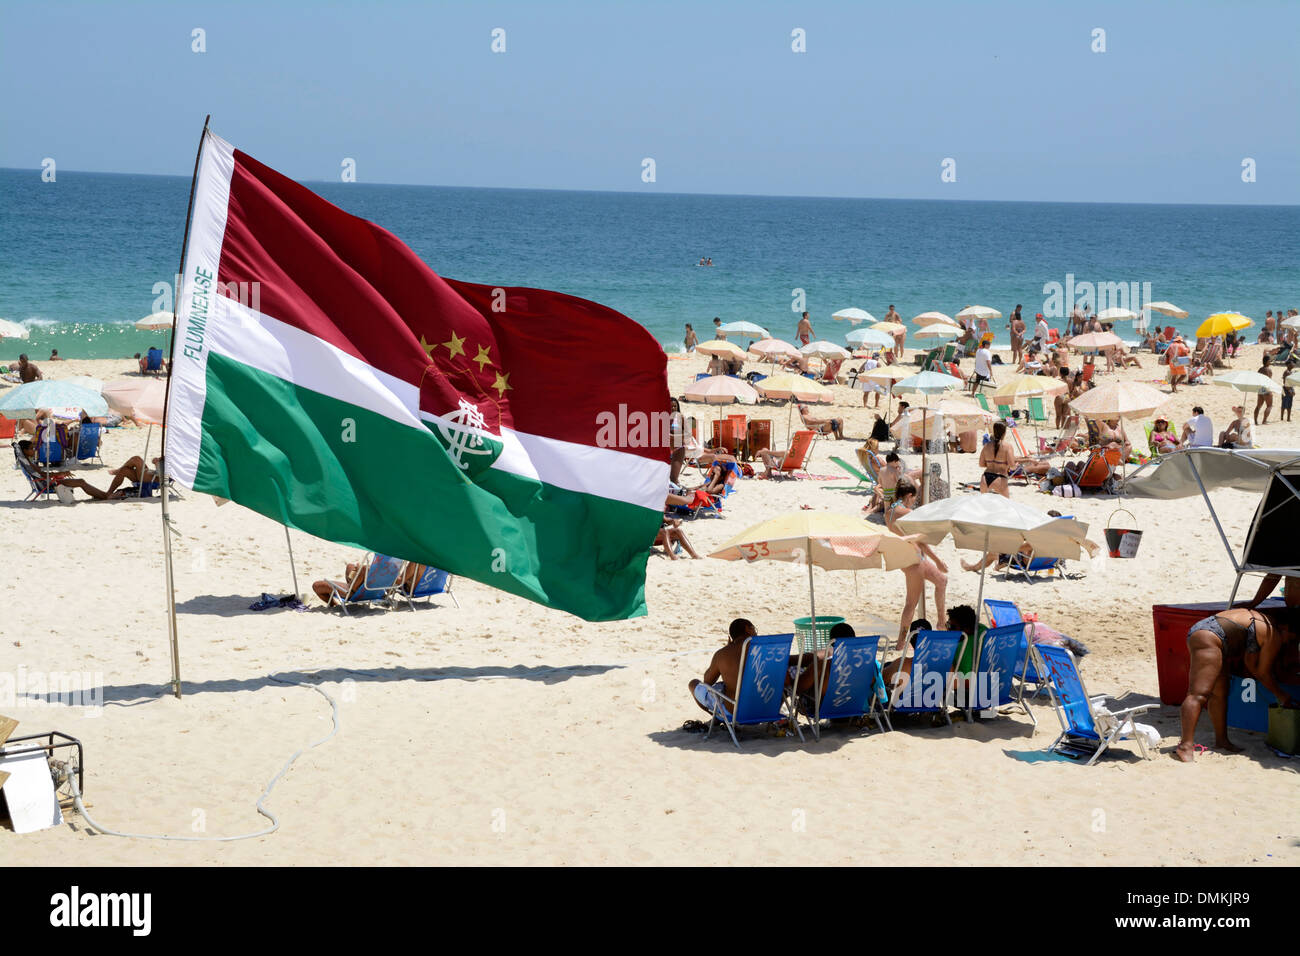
[88,438]
[1001,661]
[928,689]
[1004,614]
[379,575]
[430,583]
[862,479]
[760,691]
[1087,727]
[797,455]
[854,687]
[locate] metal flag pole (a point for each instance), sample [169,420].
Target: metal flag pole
[162,459]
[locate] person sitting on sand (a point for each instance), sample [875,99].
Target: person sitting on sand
[27,371]
[1240,432]
[823,426]
[1226,643]
[670,535]
[60,479]
[930,568]
[997,459]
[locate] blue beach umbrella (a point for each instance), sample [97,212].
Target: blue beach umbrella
[25,400]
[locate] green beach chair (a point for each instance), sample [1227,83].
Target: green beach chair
[1004,412]
[862,479]
[984,402]
[1037,414]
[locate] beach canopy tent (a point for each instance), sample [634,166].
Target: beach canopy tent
[1273,474]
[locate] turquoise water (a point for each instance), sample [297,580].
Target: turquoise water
[80,258]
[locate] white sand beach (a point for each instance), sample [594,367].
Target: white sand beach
[502,732]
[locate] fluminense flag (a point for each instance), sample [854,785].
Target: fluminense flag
[325,377]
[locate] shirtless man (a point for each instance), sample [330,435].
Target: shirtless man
[27,371]
[804,330]
[997,459]
[718,334]
[691,339]
[899,337]
[723,672]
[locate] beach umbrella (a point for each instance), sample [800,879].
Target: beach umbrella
[926,383]
[889,327]
[12,330]
[25,400]
[929,318]
[1027,386]
[1242,381]
[1293,378]
[1221,323]
[853,316]
[1119,400]
[746,330]
[721,390]
[795,387]
[887,375]
[979,312]
[864,337]
[827,351]
[1116,315]
[721,347]
[85,381]
[996,525]
[833,542]
[1291,323]
[154,321]
[1095,342]
[142,398]
[772,349]
[937,330]
[1166,308]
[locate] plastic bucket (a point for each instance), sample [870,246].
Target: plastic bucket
[1122,542]
[803,630]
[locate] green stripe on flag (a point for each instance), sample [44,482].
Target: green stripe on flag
[346,474]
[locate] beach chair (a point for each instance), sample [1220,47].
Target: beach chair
[1086,726]
[949,354]
[1004,412]
[8,427]
[862,479]
[760,691]
[929,687]
[428,585]
[380,580]
[1096,471]
[983,400]
[38,482]
[998,680]
[797,455]
[50,444]
[153,360]
[88,438]
[1089,370]
[931,357]
[1004,614]
[1037,414]
[853,684]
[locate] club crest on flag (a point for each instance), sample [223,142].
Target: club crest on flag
[464,434]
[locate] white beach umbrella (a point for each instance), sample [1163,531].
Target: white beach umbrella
[154,321]
[721,390]
[979,312]
[861,337]
[721,347]
[1166,308]
[1116,315]
[1293,378]
[1095,342]
[938,330]
[773,348]
[746,330]
[1244,381]
[929,318]
[853,316]
[1291,323]
[12,330]
[827,351]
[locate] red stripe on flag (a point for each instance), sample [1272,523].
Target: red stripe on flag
[541,362]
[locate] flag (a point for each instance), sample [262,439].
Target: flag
[324,376]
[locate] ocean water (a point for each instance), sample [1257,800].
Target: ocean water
[82,258]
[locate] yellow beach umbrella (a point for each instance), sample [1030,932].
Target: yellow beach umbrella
[1027,386]
[721,347]
[1221,323]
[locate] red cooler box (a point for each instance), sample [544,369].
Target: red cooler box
[1172,622]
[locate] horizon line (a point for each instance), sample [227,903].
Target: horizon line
[636,192]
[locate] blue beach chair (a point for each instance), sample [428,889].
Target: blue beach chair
[1084,728]
[852,681]
[380,579]
[761,691]
[929,687]
[36,481]
[430,583]
[88,438]
[997,680]
[49,446]
[1003,613]
[153,360]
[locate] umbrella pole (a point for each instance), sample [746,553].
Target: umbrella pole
[979,604]
[171,589]
[817,677]
[292,567]
[145,459]
[925,485]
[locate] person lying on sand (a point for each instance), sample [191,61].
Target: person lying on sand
[1223,644]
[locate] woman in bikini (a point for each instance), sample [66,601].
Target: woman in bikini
[1221,644]
[997,460]
[930,568]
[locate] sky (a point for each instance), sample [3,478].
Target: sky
[1016,95]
